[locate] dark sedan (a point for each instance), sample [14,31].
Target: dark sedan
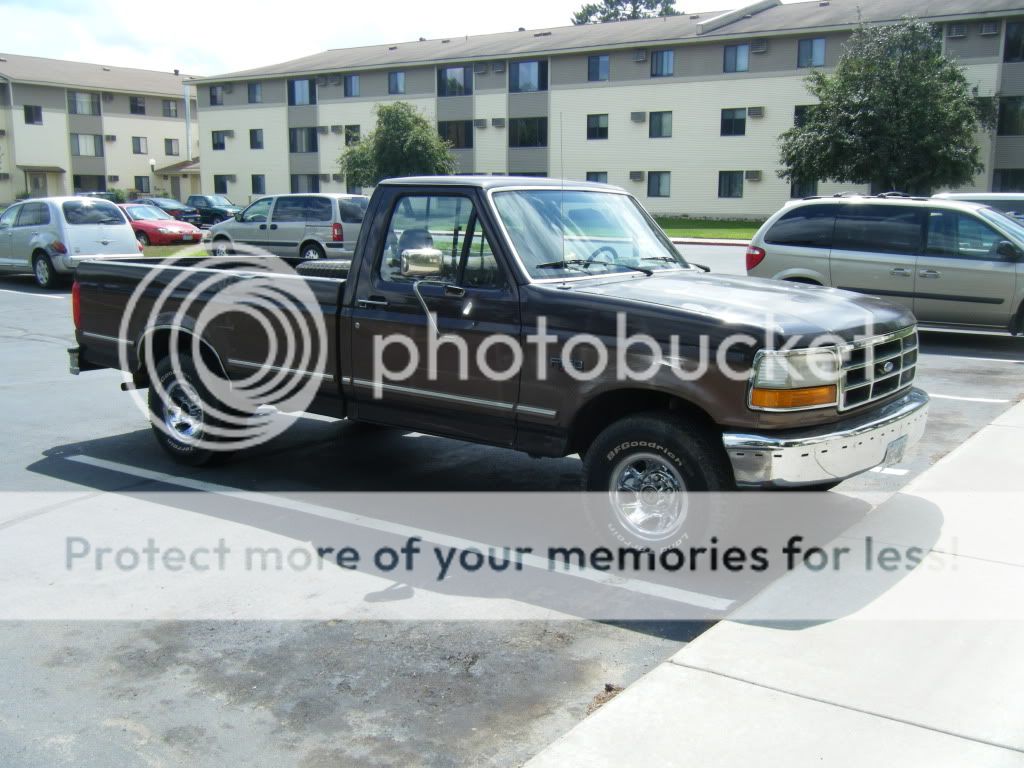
[213,208]
[178,210]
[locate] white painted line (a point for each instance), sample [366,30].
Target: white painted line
[891,471]
[638,586]
[966,399]
[39,295]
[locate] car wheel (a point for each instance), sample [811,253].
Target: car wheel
[221,247]
[143,238]
[178,411]
[312,251]
[43,271]
[650,480]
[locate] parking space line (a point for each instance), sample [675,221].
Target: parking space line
[40,295]
[638,586]
[891,471]
[966,399]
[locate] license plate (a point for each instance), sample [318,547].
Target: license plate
[894,452]
[186,238]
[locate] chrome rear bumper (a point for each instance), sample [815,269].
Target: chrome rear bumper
[831,452]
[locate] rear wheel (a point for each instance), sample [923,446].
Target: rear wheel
[221,247]
[143,238]
[43,271]
[178,412]
[312,251]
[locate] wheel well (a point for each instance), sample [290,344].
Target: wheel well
[302,247]
[40,252]
[1018,324]
[609,407]
[804,280]
[156,345]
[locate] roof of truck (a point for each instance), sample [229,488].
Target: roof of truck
[497,182]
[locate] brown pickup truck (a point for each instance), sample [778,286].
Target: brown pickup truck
[549,317]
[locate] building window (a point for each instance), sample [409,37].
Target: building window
[302,140]
[458,132]
[219,139]
[86,145]
[216,95]
[800,113]
[220,184]
[1008,180]
[142,184]
[351,135]
[737,58]
[663,63]
[528,76]
[600,177]
[255,93]
[730,183]
[33,115]
[171,147]
[170,108]
[140,145]
[454,81]
[597,68]
[80,103]
[811,52]
[734,122]
[597,126]
[351,86]
[259,184]
[659,184]
[301,92]
[255,138]
[396,83]
[660,125]
[799,189]
[1014,50]
[528,132]
[137,105]
[305,182]
[1011,116]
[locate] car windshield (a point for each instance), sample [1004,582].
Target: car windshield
[571,233]
[1006,222]
[147,213]
[220,200]
[92,211]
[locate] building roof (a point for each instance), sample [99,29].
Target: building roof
[763,17]
[77,74]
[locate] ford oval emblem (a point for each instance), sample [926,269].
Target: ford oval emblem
[888,366]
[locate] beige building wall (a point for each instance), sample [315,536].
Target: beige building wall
[46,145]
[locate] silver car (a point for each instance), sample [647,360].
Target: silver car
[50,236]
[305,226]
[953,263]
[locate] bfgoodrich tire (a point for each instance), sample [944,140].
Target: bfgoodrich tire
[179,413]
[649,480]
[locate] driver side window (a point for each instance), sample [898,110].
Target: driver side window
[961,236]
[7,218]
[257,212]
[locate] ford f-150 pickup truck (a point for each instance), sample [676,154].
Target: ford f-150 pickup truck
[544,316]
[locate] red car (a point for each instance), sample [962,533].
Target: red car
[154,227]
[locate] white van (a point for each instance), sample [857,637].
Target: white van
[49,236]
[1010,203]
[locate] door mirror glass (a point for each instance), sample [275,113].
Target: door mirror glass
[421,262]
[238,216]
[1008,250]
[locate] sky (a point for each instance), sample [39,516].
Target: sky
[211,37]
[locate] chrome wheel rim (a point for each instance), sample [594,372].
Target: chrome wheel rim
[311,253]
[648,496]
[220,249]
[183,416]
[42,271]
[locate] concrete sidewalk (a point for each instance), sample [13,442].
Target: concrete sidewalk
[927,670]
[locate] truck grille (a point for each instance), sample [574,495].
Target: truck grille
[876,368]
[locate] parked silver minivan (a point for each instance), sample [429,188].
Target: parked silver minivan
[306,226]
[953,263]
[49,236]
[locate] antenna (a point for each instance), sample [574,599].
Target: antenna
[561,176]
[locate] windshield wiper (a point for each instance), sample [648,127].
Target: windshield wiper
[566,263]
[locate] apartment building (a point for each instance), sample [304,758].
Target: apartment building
[685,112]
[69,127]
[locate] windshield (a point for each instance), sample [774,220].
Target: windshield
[572,233]
[220,200]
[92,211]
[1006,222]
[147,213]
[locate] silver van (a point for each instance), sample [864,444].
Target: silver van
[305,226]
[953,263]
[49,236]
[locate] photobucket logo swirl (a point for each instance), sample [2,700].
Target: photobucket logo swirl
[267,315]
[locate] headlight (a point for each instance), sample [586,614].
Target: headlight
[797,379]
[165,230]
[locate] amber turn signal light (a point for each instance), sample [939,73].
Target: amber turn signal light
[793,398]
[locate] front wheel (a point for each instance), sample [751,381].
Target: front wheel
[143,239]
[178,411]
[221,247]
[43,271]
[649,478]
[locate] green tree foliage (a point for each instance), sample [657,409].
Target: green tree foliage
[896,113]
[620,10]
[404,143]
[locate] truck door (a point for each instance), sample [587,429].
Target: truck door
[459,381]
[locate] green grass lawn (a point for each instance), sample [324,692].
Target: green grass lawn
[708,228]
[168,250]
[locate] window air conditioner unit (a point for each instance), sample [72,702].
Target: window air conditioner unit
[5,177]
[228,134]
[956,30]
[638,117]
[480,123]
[755,112]
[232,178]
[498,122]
[639,56]
[321,81]
[989,28]
[759,46]
[752,175]
[499,67]
[229,88]
[2,133]
[480,68]
[636,175]
[322,129]
[337,129]
[325,177]
[110,138]
[108,97]
[334,80]
[337,177]
[113,178]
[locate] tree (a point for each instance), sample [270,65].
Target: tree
[896,114]
[404,143]
[620,10]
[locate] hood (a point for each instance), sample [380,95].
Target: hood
[232,209]
[790,309]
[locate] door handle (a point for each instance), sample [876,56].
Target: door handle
[273,226]
[456,291]
[929,273]
[372,301]
[900,271]
[263,226]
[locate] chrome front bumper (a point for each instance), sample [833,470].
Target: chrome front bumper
[829,453]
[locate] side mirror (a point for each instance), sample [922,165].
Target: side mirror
[238,216]
[1008,250]
[421,262]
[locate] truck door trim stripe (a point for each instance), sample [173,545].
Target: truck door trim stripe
[111,339]
[497,404]
[265,366]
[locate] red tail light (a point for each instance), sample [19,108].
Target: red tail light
[755,256]
[59,247]
[337,233]
[76,305]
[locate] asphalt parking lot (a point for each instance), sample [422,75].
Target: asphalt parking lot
[469,691]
